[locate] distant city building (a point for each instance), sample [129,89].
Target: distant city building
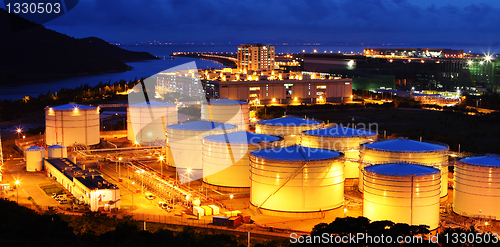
[415,52]
[185,82]
[308,91]
[255,57]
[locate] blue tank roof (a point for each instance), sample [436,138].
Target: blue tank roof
[402,169]
[152,104]
[242,137]
[339,131]
[34,148]
[226,102]
[296,153]
[71,107]
[56,146]
[200,126]
[289,121]
[405,145]
[493,161]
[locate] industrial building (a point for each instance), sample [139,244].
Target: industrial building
[72,124]
[290,128]
[415,52]
[402,193]
[342,139]
[57,152]
[88,186]
[184,147]
[226,158]
[264,92]
[402,149]
[255,57]
[296,181]
[476,191]
[227,111]
[146,121]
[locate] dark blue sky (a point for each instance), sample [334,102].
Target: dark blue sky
[355,21]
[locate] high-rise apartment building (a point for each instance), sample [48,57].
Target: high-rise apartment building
[255,57]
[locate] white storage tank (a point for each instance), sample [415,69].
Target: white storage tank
[476,191]
[34,158]
[57,152]
[185,146]
[71,124]
[343,139]
[144,121]
[402,149]
[227,111]
[402,193]
[226,163]
[295,180]
[290,128]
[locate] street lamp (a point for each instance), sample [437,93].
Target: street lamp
[345,212]
[17,190]
[161,165]
[231,201]
[142,183]
[119,168]
[133,195]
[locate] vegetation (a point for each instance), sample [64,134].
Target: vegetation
[23,227]
[32,53]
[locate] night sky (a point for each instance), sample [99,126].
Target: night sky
[453,22]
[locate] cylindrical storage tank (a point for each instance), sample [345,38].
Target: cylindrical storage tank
[227,111]
[343,139]
[295,180]
[226,163]
[34,158]
[402,193]
[57,152]
[402,149]
[71,124]
[185,146]
[145,124]
[476,189]
[290,128]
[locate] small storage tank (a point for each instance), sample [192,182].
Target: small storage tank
[71,124]
[34,158]
[144,121]
[476,189]
[343,139]
[184,147]
[402,149]
[295,180]
[57,152]
[226,163]
[290,128]
[402,193]
[227,111]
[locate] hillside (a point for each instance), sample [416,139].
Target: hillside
[32,53]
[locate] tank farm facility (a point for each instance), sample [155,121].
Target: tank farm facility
[288,173]
[342,139]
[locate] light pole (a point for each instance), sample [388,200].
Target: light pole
[231,201]
[161,166]
[133,195]
[17,190]
[119,168]
[345,212]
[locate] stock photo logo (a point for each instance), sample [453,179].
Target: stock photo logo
[154,121]
[38,12]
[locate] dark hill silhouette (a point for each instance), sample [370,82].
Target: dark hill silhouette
[32,53]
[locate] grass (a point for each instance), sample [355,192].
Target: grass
[49,189]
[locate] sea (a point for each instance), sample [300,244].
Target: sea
[151,67]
